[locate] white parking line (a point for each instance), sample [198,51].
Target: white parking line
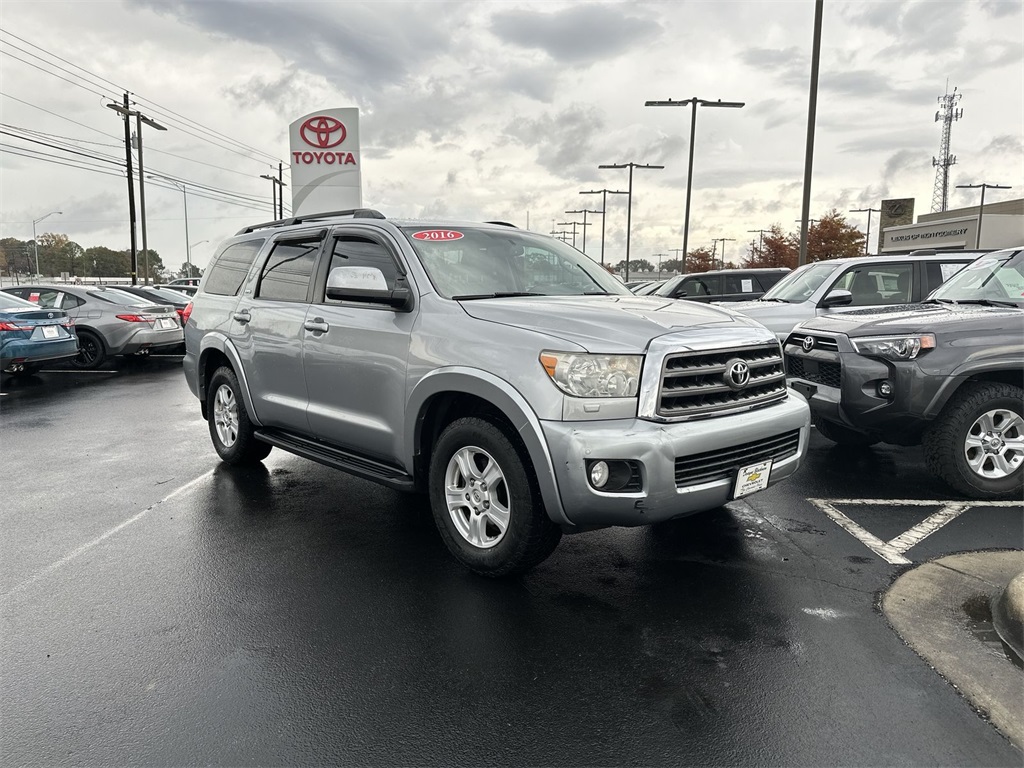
[893,551]
[101,538]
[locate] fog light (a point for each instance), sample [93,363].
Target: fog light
[599,474]
[885,388]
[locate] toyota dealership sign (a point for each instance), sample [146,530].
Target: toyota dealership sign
[326,173]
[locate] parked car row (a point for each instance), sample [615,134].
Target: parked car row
[103,322]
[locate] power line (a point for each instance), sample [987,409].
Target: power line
[69,63]
[62,117]
[50,63]
[54,74]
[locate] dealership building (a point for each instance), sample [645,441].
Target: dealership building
[1001,224]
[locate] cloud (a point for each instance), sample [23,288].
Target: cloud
[563,141]
[1009,144]
[999,9]
[579,34]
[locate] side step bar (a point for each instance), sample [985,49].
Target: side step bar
[360,466]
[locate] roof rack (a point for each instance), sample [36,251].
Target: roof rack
[502,223]
[353,213]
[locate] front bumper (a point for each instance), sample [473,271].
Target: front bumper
[656,446]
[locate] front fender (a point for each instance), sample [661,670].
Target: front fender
[218,342]
[509,401]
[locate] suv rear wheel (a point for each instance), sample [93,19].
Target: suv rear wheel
[977,443]
[485,501]
[230,429]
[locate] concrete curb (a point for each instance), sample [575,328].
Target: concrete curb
[1008,615]
[928,606]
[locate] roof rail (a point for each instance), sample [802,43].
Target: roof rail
[353,213]
[502,223]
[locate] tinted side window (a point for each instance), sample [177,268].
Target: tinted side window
[228,272]
[352,251]
[288,270]
[938,272]
[741,283]
[694,287]
[878,284]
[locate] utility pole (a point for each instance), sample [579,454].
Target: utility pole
[868,211]
[723,241]
[812,110]
[981,208]
[584,211]
[126,114]
[35,242]
[760,240]
[604,208]
[280,194]
[629,200]
[677,251]
[694,103]
[276,194]
[659,255]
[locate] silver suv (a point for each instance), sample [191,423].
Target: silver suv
[501,371]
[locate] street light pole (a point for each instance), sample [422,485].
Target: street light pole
[35,244]
[812,111]
[184,201]
[677,251]
[723,241]
[694,103]
[981,208]
[629,200]
[760,239]
[604,208]
[139,120]
[868,211]
[584,211]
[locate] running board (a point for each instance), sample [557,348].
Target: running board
[360,466]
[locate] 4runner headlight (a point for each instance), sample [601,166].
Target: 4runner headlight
[584,375]
[894,348]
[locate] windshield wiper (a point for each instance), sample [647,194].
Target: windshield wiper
[784,301]
[599,293]
[987,302]
[497,295]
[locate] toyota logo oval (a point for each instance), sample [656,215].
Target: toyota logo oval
[737,374]
[808,343]
[319,132]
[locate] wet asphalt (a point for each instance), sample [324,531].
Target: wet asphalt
[159,608]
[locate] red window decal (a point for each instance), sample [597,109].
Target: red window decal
[437,234]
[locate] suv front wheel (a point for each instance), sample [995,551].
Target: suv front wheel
[485,501]
[230,429]
[977,443]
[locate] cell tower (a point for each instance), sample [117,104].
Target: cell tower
[947,114]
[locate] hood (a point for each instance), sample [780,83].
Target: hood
[755,307]
[915,318]
[607,323]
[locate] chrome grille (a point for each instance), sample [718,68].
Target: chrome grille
[823,343]
[816,371]
[711,466]
[695,383]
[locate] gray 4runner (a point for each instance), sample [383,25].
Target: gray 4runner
[947,373]
[502,372]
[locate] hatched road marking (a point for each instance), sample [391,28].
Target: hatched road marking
[892,551]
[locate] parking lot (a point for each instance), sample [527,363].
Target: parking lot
[159,608]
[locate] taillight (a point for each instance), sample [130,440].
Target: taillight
[134,318]
[185,314]
[12,327]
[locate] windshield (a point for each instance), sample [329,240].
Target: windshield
[465,262]
[666,288]
[798,285]
[11,303]
[997,277]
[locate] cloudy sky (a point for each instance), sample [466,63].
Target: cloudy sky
[504,110]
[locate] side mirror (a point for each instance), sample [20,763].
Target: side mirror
[366,285]
[837,298]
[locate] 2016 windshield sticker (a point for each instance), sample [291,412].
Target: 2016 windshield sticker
[438,235]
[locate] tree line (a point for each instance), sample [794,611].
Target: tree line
[829,237]
[58,254]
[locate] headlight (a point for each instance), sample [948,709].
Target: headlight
[583,375]
[894,347]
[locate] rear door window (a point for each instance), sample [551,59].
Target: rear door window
[288,271]
[228,271]
[938,272]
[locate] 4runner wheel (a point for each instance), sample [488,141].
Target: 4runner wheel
[841,435]
[485,501]
[977,443]
[91,351]
[233,436]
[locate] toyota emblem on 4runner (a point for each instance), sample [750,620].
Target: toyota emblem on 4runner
[807,343]
[737,374]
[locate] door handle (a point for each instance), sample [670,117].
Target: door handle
[316,325]
[242,317]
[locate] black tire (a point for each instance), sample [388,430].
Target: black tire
[232,433]
[529,536]
[842,435]
[946,444]
[92,352]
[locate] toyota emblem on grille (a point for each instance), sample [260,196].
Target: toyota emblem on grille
[737,374]
[807,343]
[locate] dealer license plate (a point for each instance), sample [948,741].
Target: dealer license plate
[752,478]
[166,322]
[50,332]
